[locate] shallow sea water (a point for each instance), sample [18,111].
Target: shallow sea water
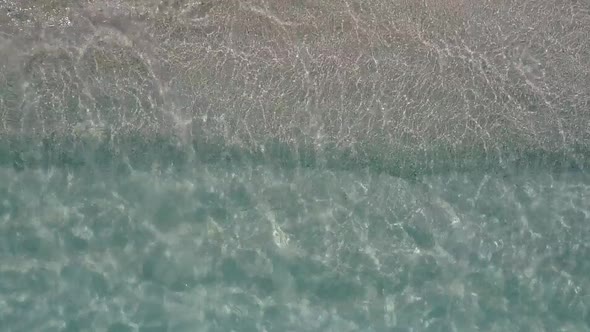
[252,247]
[291,166]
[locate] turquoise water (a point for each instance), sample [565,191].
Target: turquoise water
[244,246]
[183,165]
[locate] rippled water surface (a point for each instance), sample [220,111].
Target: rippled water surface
[222,247]
[258,165]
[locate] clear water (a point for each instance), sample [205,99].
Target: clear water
[183,165]
[252,247]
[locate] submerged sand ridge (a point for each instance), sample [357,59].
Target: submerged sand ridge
[386,77]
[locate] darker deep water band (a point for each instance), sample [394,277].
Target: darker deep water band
[141,153]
